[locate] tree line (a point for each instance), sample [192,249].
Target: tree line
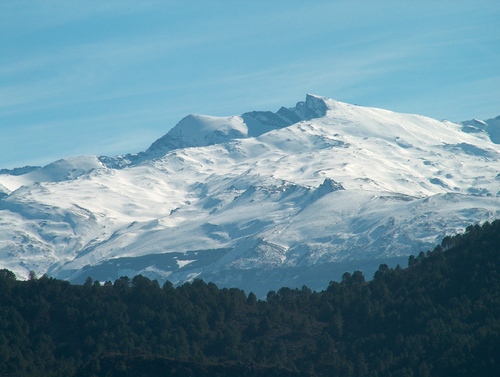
[439,316]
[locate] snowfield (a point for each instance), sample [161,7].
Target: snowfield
[256,201]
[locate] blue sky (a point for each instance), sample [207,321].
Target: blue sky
[110,77]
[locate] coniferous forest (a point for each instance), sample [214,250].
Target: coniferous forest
[440,316]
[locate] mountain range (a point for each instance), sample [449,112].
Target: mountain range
[257,201]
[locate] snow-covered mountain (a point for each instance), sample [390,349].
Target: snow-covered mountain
[257,201]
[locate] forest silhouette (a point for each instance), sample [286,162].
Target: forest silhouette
[440,316]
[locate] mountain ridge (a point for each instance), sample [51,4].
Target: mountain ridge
[197,130]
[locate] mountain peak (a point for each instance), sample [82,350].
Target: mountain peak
[199,131]
[204,130]
[313,107]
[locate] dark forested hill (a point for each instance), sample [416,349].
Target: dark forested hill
[440,316]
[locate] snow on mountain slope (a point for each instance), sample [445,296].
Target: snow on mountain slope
[66,169]
[329,187]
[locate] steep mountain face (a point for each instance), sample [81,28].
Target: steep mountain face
[489,126]
[257,201]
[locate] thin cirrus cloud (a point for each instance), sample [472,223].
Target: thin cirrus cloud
[85,72]
[122,69]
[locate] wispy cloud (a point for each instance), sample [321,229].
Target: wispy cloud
[144,65]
